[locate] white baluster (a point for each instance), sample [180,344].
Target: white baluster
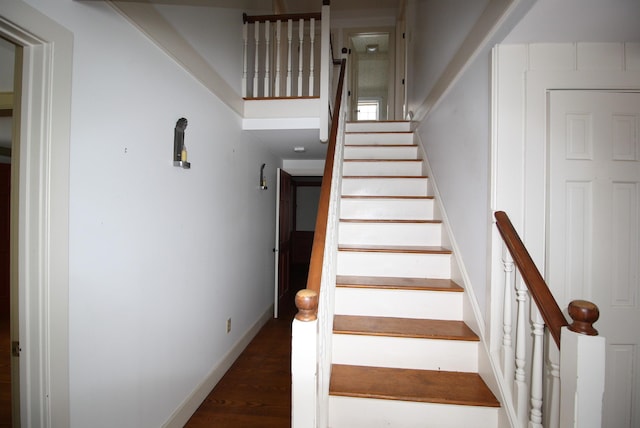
[520,385]
[325,65]
[507,322]
[276,91]
[256,33]
[312,37]
[245,39]
[552,397]
[267,55]
[289,37]
[300,54]
[537,325]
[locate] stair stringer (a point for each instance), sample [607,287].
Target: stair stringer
[488,366]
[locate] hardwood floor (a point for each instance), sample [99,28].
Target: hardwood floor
[256,391]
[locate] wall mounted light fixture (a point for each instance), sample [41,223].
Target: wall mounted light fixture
[179,149]
[263,181]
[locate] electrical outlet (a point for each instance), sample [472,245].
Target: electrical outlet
[229,325]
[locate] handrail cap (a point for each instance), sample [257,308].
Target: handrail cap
[584,314]
[307,304]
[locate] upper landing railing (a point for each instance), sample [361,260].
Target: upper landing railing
[288,57]
[281,55]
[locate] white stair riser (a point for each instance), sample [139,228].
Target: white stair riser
[403,265]
[390,233]
[383,168]
[384,186]
[351,412]
[381,152]
[386,209]
[384,138]
[398,303]
[401,126]
[405,352]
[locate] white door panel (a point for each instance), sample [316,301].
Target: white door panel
[593,228]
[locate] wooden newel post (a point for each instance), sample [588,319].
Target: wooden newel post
[582,368]
[584,314]
[304,360]
[307,304]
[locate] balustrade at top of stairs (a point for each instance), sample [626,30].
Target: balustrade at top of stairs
[401,353]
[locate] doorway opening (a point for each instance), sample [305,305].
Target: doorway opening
[297,200]
[372,74]
[9,368]
[306,196]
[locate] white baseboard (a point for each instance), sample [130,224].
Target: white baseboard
[189,406]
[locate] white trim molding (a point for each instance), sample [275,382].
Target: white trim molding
[43,235]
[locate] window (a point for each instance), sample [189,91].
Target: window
[368,110]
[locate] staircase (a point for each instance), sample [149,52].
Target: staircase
[402,356]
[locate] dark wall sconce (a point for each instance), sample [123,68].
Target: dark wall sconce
[263,181]
[179,149]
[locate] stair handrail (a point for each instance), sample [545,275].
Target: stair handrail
[546,303]
[575,374]
[319,237]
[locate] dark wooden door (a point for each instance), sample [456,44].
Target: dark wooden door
[285,228]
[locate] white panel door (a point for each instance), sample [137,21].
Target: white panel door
[593,226]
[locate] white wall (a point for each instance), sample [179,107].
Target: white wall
[552,21]
[456,132]
[436,29]
[215,34]
[456,139]
[7,51]
[160,257]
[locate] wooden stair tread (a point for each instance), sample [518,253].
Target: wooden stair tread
[384,197]
[403,327]
[382,160]
[385,282]
[347,177]
[380,145]
[412,249]
[425,386]
[377,121]
[364,220]
[378,132]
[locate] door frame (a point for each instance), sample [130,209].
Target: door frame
[43,203]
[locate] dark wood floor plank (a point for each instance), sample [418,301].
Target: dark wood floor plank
[256,390]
